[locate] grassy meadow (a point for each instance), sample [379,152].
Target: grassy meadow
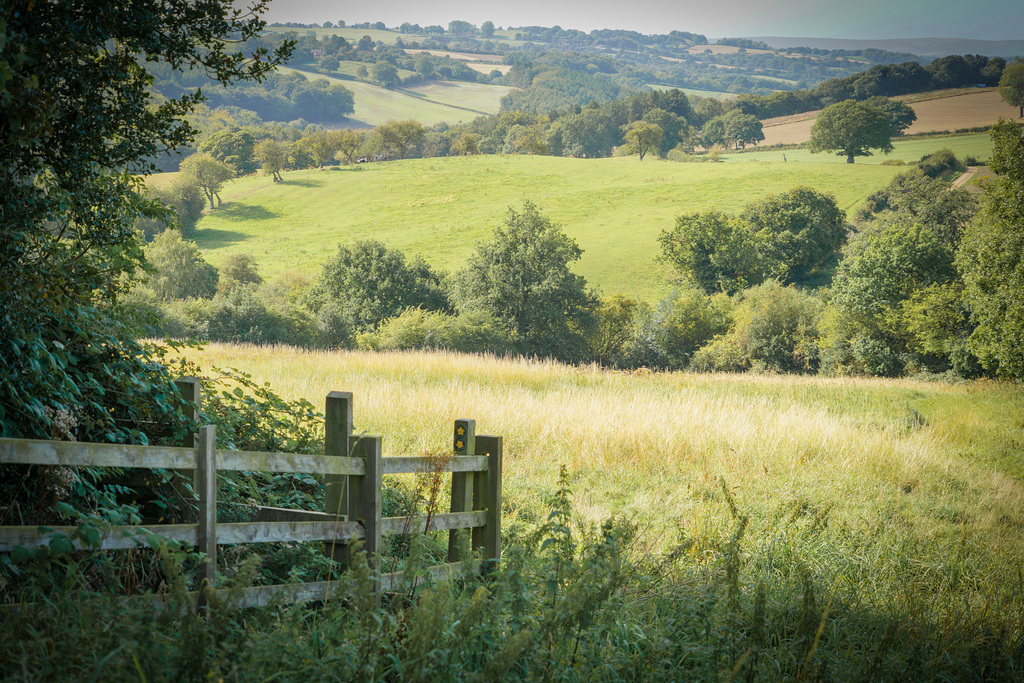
[429,103]
[909,150]
[442,208]
[880,519]
[656,445]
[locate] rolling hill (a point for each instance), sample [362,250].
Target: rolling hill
[441,208]
[429,103]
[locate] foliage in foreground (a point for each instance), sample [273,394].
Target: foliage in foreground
[793,595]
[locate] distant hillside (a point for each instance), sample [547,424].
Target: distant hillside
[924,47]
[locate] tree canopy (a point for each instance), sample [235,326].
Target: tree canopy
[991,258]
[522,278]
[207,173]
[368,283]
[1011,85]
[851,129]
[78,123]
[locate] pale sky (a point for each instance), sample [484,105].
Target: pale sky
[865,19]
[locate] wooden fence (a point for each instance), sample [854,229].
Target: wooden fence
[352,466]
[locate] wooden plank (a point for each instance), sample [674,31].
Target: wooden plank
[116,538]
[462,482]
[416,463]
[487,496]
[261,596]
[444,521]
[267,513]
[251,461]
[206,489]
[122,537]
[78,454]
[72,453]
[280,532]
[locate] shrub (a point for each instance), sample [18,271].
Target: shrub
[471,332]
[775,329]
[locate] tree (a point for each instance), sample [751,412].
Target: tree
[272,157]
[900,114]
[208,173]
[796,233]
[742,129]
[398,136]
[79,126]
[370,283]
[461,28]
[329,63]
[181,270]
[238,269]
[234,148]
[466,144]
[1011,85]
[851,129]
[613,332]
[641,137]
[714,251]
[349,142]
[991,258]
[487,29]
[385,73]
[522,278]
[713,133]
[322,144]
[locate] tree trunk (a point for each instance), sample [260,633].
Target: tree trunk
[849,159]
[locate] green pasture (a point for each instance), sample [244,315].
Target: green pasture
[349,68]
[447,102]
[693,92]
[442,208]
[480,98]
[911,150]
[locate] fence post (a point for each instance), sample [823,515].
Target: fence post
[337,440]
[487,496]
[364,496]
[192,392]
[206,476]
[462,482]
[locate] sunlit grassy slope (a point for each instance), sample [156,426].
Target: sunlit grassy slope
[429,103]
[938,461]
[442,208]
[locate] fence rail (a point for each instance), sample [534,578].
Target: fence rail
[352,465]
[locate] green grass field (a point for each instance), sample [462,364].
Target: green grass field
[442,208]
[911,150]
[428,103]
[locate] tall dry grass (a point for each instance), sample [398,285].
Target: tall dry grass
[657,445]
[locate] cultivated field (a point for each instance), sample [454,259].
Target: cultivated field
[442,208]
[949,112]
